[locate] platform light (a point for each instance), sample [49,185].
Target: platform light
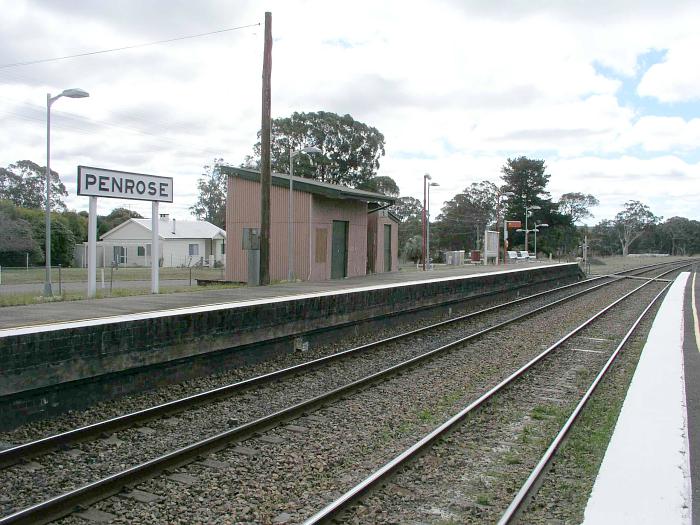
[70,93]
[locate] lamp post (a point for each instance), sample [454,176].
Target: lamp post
[427,225]
[534,230]
[527,214]
[499,195]
[290,215]
[426,178]
[543,225]
[70,93]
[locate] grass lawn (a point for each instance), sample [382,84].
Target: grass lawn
[35,275]
[20,299]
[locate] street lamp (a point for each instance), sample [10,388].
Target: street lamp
[290,215]
[535,231]
[70,93]
[527,214]
[543,225]
[427,225]
[499,195]
[426,178]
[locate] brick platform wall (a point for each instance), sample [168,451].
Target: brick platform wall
[120,357]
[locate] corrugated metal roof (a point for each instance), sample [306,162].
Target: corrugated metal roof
[183,229]
[326,189]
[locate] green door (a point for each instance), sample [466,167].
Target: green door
[387,247]
[339,250]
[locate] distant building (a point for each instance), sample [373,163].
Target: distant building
[330,227]
[183,243]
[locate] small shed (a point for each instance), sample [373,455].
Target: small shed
[382,241]
[330,225]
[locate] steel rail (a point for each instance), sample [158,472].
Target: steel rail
[339,505]
[15,454]
[66,503]
[516,506]
[40,446]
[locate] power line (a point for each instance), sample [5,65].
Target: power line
[88,53]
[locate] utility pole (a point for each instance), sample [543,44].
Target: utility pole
[265,161]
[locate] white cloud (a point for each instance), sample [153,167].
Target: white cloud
[455,87]
[677,78]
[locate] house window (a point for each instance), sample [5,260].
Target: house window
[194,249]
[140,251]
[223,248]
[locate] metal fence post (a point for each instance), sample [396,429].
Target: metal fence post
[60,287]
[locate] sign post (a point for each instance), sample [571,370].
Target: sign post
[92,248]
[155,248]
[506,225]
[101,182]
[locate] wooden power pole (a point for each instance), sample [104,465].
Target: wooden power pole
[265,161]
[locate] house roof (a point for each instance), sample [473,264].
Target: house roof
[333,191]
[183,229]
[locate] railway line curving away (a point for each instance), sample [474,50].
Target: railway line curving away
[296,438]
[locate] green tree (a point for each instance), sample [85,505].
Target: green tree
[211,196]
[78,224]
[412,249]
[464,218]
[577,205]
[117,216]
[603,239]
[409,210]
[680,236]
[384,185]
[24,184]
[527,179]
[632,222]
[351,149]
[561,237]
[17,240]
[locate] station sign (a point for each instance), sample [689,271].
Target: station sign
[514,224]
[100,182]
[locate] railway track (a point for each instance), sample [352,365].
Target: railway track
[471,443]
[65,503]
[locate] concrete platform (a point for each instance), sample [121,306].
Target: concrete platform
[645,477]
[15,316]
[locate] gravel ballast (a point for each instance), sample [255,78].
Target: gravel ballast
[287,473]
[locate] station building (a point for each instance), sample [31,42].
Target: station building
[338,232]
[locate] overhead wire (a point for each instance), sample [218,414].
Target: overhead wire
[124,48]
[174,126]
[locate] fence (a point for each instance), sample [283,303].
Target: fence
[26,279]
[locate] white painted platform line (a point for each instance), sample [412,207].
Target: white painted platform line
[695,313]
[645,475]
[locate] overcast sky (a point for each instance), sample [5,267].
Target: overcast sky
[606,92]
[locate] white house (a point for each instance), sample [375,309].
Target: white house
[183,243]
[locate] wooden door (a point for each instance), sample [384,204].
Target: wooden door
[339,250]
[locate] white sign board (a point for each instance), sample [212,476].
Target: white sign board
[490,246]
[100,182]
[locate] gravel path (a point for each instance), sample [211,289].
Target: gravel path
[287,473]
